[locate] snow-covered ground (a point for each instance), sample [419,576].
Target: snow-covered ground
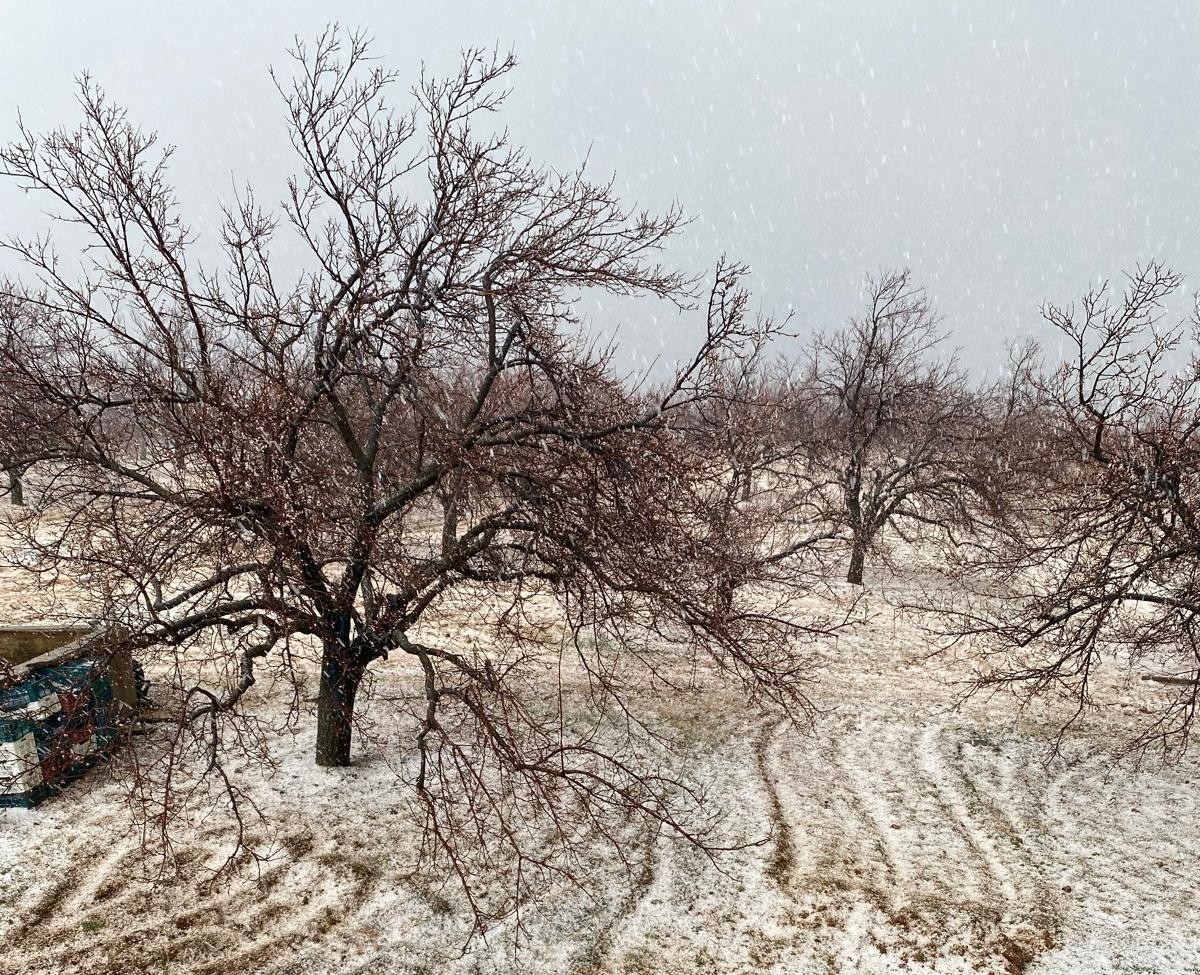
[904,836]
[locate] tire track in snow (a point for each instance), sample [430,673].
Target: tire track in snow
[1014,792]
[782,862]
[596,956]
[100,916]
[904,828]
[1027,919]
[994,881]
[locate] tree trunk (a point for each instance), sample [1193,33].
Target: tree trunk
[16,490]
[857,556]
[449,521]
[852,483]
[335,705]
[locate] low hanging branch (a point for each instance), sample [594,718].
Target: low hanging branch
[1193,681]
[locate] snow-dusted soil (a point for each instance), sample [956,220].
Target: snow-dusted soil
[902,836]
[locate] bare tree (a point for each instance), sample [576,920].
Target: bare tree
[897,435]
[739,424]
[1104,562]
[415,418]
[747,430]
[1017,420]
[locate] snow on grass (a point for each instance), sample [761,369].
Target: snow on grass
[899,835]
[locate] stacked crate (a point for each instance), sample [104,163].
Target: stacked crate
[54,725]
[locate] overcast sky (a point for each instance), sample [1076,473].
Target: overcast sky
[1007,152]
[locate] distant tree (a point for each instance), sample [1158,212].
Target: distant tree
[738,426]
[895,436]
[747,431]
[1104,563]
[330,463]
[1016,420]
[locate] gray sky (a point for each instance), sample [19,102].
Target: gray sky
[1007,151]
